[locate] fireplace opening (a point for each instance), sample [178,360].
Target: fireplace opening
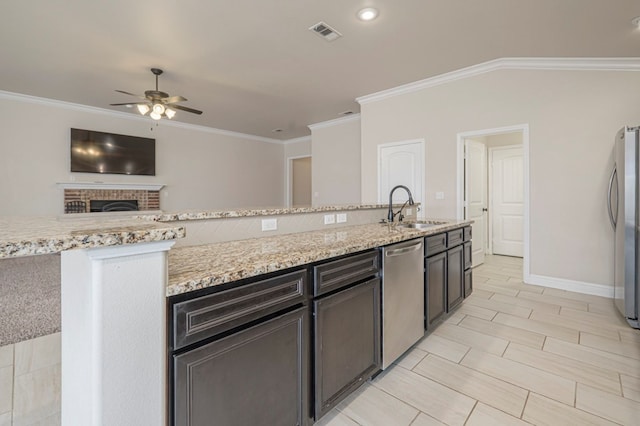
[113,206]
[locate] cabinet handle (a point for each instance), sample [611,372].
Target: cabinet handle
[403,250]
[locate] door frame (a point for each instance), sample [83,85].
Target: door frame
[423,197]
[490,151]
[289,179]
[524,129]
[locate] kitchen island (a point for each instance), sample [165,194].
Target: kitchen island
[116,276]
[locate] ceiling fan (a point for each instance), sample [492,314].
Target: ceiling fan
[158,104]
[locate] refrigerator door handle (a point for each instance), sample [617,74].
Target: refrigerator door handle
[614,175]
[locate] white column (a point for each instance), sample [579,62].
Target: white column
[114,335]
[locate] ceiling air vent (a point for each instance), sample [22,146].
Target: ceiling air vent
[325,31]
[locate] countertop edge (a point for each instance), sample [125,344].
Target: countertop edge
[248,212]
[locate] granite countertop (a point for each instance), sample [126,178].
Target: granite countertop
[26,236]
[247,212]
[197,267]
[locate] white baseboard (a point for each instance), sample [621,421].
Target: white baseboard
[570,285]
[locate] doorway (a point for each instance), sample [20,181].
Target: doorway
[299,177]
[493,176]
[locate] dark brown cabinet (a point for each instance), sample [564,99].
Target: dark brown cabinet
[447,272]
[435,285]
[455,276]
[256,376]
[241,356]
[346,327]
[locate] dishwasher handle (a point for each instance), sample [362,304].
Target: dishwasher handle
[403,250]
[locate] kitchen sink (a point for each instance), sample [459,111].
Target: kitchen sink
[418,225]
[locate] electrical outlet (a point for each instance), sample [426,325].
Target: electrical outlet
[439,195]
[341,217]
[269,224]
[329,219]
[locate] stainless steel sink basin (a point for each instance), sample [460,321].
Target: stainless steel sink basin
[417,225]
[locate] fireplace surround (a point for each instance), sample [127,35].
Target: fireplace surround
[79,197]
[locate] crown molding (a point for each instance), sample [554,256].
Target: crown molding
[18,97]
[334,122]
[564,64]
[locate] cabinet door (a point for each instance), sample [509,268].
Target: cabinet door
[467,255]
[254,377]
[468,282]
[435,280]
[347,343]
[455,276]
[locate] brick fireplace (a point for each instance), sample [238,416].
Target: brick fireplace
[78,197]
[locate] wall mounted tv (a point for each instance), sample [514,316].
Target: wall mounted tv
[99,152]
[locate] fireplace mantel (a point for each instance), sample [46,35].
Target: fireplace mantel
[107,185]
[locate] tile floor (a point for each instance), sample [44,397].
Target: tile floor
[512,354]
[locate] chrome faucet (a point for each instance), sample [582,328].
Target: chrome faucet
[391,214]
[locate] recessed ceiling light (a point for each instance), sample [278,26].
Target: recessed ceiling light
[636,21]
[367,14]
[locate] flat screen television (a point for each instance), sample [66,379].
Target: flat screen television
[109,153]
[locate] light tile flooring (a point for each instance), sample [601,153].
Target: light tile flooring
[511,354]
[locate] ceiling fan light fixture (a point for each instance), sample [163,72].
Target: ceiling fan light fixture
[155,115]
[367,14]
[158,108]
[169,113]
[143,109]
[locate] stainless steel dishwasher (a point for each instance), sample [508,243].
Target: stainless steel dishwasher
[402,298]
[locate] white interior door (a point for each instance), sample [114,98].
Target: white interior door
[401,163]
[475,189]
[507,206]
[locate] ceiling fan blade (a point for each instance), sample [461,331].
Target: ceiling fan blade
[131,103]
[183,108]
[174,99]
[132,94]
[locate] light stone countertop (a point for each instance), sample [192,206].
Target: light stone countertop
[27,236]
[248,212]
[197,267]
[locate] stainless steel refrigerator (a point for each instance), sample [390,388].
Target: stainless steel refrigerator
[623,198]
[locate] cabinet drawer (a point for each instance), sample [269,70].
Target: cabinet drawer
[435,244]
[340,273]
[206,316]
[467,233]
[454,237]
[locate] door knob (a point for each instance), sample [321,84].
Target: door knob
[484,209]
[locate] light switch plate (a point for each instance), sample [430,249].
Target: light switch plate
[329,219]
[269,224]
[439,195]
[341,217]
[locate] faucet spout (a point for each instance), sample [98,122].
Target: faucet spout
[391,214]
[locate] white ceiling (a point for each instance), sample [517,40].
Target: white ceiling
[253,66]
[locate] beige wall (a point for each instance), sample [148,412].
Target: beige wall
[297,148]
[202,169]
[336,162]
[573,117]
